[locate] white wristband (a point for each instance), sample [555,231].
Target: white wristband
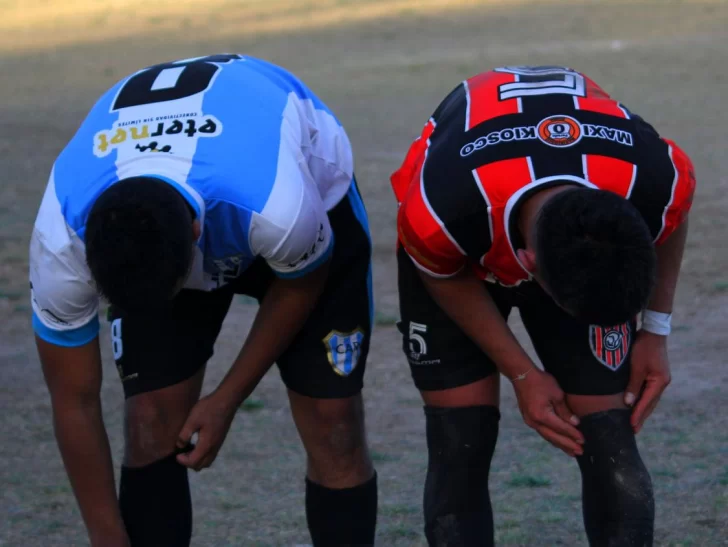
[656,322]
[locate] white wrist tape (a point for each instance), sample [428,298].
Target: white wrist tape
[656,322]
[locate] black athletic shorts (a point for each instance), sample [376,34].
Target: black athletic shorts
[584,359]
[326,359]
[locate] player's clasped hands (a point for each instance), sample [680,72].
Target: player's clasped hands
[543,406]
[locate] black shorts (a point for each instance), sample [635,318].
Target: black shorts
[584,359]
[326,359]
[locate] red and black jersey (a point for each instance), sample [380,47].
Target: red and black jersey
[504,134]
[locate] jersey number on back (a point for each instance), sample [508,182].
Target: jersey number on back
[170,81]
[542,80]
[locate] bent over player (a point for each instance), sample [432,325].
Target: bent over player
[530,188]
[189,182]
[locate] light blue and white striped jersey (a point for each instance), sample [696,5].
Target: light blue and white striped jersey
[255,153]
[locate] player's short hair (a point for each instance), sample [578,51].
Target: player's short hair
[595,255]
[139,243]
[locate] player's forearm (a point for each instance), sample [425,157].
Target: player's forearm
[282,314]
[84,446]
[669,260]
[468,303]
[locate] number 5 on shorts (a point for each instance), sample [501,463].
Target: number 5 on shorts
[414,328]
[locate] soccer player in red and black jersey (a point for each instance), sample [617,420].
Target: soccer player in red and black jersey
[531,188]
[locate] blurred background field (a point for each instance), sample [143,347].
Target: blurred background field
[382,66]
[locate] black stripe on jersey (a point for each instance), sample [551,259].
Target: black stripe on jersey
[451,106]
[652,189]
[449,186]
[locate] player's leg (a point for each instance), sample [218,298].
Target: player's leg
[460,388]
[161,360]
[591,365]
[323,370]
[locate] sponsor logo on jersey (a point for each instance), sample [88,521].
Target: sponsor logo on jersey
[610,345]
[509,134]
[558,131]
[343,350]
[163,130]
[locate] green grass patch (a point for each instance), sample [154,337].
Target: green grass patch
[385,319]
[381,457]
[399,510]
[251,405]
[519,480]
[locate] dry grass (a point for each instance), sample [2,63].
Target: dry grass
[382,66]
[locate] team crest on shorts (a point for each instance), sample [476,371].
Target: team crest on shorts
[343,350]
[610,345]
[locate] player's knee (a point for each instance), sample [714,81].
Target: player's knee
[338,452]
[612,464]
[150,431]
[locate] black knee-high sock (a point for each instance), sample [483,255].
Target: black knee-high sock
[460,444]
[342,517]
[617,498]
[155,504]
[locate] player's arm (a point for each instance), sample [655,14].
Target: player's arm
[73,376]
[299,254]
[650,373]
[465,299]
[65,321]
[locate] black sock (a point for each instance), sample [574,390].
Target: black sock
[460,444]
[342,517]
[155,504]
[617,499]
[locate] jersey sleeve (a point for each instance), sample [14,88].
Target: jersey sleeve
[63,297]
[293,233]
[683,190]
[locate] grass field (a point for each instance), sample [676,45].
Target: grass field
[382,66]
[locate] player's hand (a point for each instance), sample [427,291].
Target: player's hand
[543,406]
[649,377]
[210,418]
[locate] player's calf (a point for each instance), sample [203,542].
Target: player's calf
[154,493]
[460,443]
[341,484]
[618,502]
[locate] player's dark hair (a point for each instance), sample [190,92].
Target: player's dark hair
[595,255]
[139,243]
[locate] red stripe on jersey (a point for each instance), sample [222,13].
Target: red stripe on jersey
[682,192]
[483,98]
[499,181]
[625,339]
[610,174]
[422,236]
[405,175]
[597,100]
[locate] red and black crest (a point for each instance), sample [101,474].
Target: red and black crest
[610,345]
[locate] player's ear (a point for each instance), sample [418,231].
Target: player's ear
[196,229]
[528,258]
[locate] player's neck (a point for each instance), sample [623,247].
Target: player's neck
[531,208]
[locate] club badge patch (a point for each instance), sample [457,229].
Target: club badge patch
[343,350]
[610,345]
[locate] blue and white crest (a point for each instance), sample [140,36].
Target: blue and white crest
[343,350]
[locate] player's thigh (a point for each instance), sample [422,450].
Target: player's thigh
[447,367]
[327,358]
[160,358]
[324,366]
[590,363]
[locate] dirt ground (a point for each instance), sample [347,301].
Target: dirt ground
[382,66]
